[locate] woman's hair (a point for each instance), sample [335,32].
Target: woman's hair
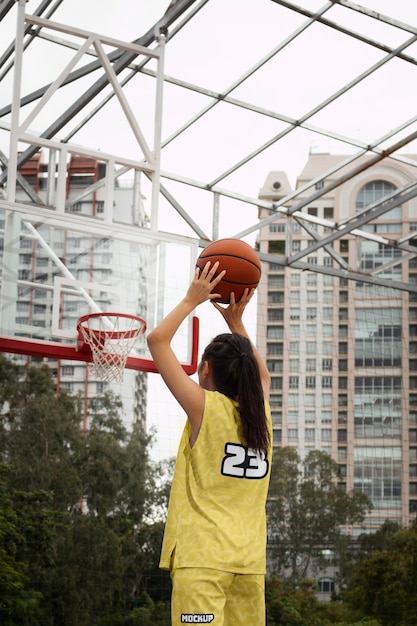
[236,374]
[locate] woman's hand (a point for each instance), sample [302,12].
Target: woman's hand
[203,284]
[233,313]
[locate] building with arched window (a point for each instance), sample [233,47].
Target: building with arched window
[342,353]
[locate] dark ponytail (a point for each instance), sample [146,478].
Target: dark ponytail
[236,374]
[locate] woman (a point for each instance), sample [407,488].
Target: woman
[215,536]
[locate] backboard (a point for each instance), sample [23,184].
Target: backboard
[57,269]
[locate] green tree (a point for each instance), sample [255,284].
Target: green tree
[383,582]
[104,510]
[288,605]
[43,442]
[26,539]
[306,510]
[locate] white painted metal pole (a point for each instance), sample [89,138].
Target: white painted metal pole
[17,84]
[158,132]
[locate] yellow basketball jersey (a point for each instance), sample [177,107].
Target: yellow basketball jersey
[216,514]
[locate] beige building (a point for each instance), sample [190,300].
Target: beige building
[342,352]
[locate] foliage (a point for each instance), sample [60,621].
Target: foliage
[289,605]
[81,514]
[25,535]
[383,580]
[306,510]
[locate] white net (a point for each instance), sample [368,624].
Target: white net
[111,338]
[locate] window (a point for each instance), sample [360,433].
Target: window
[326,585]
[274,348]
[311,313]
[275,332]
[326,434]
[326,382]
[342,453]
[328,213]
[277,228]
[378,475]
[327,347]
[277,436]
[276,247]
[342,435]
[327,364]
[327,400]
[67,370]
[275,280]
[68,386]
[310,434]
[293,434]
[275,315]
[310,382]
[274,366]
[310,365]
[374,192]
[293,382]
[276,383]
[378,337]
[25,259]
[275,297]
[294,347]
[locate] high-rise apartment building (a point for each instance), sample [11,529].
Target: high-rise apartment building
[342,352]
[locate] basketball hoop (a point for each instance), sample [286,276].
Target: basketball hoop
[110,337]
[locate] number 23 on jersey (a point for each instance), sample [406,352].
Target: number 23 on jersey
[242,462]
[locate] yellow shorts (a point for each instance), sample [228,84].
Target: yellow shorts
[209,596]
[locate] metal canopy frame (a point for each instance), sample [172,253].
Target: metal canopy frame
[104,61]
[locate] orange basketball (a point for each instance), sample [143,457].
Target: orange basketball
[242,265]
